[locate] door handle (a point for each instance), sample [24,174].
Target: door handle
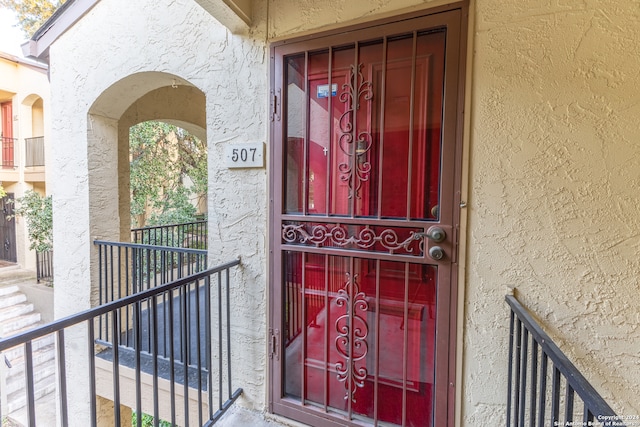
[435,234]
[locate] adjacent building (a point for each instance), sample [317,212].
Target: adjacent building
[24,100]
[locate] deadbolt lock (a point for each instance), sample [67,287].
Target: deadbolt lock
[436,252]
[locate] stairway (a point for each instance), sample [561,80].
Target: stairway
[18,315]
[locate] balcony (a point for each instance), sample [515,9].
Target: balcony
[158,342]
[8,150]
[34,152]
[33,163]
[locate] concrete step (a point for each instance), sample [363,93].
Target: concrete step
[44,366]
[9,300]
[15,310]
[18,399]
[39,357]
[19,323]
[6,289]
[17,277]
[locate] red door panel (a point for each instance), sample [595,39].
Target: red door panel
[7,134]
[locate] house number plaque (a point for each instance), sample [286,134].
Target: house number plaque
[244,155]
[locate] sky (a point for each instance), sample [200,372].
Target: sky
[11,37]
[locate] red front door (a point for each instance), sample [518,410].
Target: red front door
[365,219]
[7,134]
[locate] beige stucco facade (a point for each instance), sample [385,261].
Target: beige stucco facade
[24,85]
[551,167]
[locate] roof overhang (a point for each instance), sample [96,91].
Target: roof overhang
[62,19]
[233,14]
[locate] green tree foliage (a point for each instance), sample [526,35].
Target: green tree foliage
[168,167]
[31,14]
[37,211]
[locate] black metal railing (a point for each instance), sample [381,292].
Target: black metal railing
[192,398]
[44,266]
[34,151]
[129,268]
[186,235]
[8,151]
[545,388]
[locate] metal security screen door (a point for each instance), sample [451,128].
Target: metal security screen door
[365,223]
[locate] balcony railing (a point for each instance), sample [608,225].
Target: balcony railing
[44,266]
[34,151]
[545,388]
[8,151]
[186,235]
[194,389]
[128,268]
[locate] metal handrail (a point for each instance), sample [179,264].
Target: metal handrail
[136,302]
[527,385]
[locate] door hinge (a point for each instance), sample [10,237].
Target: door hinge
[275,105]
[274,344]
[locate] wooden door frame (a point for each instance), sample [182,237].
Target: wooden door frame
[455,90]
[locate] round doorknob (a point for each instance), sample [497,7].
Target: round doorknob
[436,252]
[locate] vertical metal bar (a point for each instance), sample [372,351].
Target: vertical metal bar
[116,367]
[172,360]
[517,363]
[543,389]
[185,350]
[30,390]
[100,286]
[303,323]
[92,372]
[534,384]
[555,396]
[228,328]
[154,353]
[137,330]
[112,289]
[329,134]
[405,345]
[326,329]
[568,405]
[382,96]
[376,363]
[305,150]
[220,388]
[207,343]
[587,416]
[354,138]
[199,350]
[62,378]
[510,368]
[523,373]
[412,106]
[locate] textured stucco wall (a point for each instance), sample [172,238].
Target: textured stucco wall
[116,54]
[553,167]
[553,203]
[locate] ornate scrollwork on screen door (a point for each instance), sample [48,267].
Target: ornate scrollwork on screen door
[351,341]
[354,144]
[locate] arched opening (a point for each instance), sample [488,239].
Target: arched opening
[138,98]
